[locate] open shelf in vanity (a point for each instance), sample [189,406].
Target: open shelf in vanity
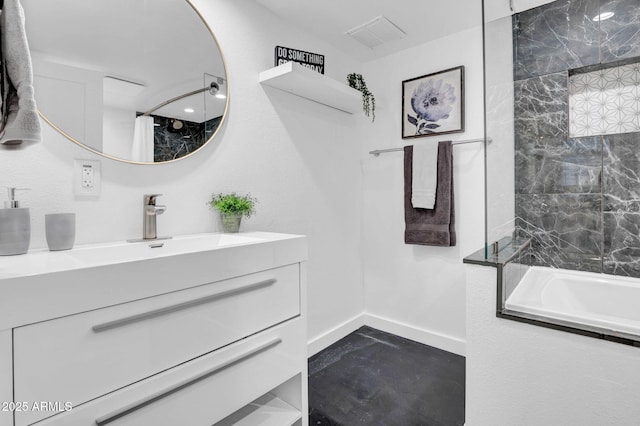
[279,407]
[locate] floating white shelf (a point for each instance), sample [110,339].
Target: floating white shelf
[298,80]
[268,410]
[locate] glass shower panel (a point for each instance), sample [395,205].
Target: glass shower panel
[563,112]
[499,127]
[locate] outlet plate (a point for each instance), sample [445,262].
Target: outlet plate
[86,178]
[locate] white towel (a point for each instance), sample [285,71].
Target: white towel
[142,147]
[20,121]
[425,176]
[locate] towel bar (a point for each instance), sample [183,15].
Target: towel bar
[377,152]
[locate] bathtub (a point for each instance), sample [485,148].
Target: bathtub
[599,300]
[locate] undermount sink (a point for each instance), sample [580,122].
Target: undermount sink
[127,251]
[90,255]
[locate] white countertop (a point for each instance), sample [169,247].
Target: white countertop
[42,285]
[43,261]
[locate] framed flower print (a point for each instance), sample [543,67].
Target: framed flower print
[433,104]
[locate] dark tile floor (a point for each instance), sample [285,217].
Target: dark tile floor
[375,378]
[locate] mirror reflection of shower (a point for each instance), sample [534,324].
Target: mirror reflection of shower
[181,124]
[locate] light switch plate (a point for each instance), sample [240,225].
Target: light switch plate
[86,178]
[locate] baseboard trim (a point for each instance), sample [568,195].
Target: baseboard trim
[437,340]
[317,344]
[427,337]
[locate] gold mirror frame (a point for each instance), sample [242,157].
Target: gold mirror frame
[209,140]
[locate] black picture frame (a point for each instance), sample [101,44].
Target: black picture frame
[433,104]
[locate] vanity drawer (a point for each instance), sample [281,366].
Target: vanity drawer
[81,357]
[202,391]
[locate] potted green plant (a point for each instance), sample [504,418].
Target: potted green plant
[232,207]
[356,81]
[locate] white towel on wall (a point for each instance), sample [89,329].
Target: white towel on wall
[425,175]
[142,148]
[19,120]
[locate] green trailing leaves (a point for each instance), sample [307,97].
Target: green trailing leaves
[356,81]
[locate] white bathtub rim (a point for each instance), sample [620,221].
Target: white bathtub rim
[523,299]
[592,275]
[611,325]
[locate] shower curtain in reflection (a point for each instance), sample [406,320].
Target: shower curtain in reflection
[142,148]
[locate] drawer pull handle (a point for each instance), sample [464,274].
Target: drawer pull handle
[186,383]
[180,306]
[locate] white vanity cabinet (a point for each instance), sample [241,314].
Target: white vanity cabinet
[216,338]
[6,380]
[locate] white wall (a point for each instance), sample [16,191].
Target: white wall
[300,159]
[73,98]
[421,287]
[117,131]
[524,375]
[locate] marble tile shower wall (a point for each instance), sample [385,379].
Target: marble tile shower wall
[577,197]
[171,142]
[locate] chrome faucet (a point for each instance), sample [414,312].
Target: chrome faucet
[149,214]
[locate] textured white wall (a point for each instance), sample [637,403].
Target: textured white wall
[524,375]
[73,97]
[418,286]
[300,159]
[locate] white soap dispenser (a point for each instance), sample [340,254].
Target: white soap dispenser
[15,226]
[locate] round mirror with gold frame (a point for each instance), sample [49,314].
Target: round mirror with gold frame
[140,81]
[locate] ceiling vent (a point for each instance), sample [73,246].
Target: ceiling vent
[376,32]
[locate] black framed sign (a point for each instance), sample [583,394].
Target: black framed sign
[314,61]
[433,104]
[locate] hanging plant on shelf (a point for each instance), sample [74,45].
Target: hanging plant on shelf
[356,81]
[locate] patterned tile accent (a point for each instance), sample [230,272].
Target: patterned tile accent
[605,102]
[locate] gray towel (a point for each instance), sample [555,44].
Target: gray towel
[431,227]
[20,121]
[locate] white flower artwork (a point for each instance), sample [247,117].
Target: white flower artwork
[433,104]
[605,102]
